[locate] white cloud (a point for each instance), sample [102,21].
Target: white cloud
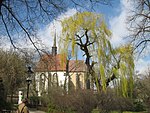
[118,24]
[141,65]
[5,42]
[44,38]
[47,34]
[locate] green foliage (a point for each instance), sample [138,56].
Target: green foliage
[34,101]
[103,79]
[80,22]
[2,94]
[52,108]
[126,69]
[139,106]
[142,91]
[12,71]
[88,28]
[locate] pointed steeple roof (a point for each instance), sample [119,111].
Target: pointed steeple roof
[54,43]
[54,48]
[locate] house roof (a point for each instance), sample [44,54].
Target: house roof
[58,62]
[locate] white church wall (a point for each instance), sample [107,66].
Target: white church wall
[61,80]
[61,77]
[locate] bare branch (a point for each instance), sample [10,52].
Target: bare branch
[21,27]
[144,41]
[11,40]
[139,24]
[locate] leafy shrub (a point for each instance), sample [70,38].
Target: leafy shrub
[34,101]
[139,106]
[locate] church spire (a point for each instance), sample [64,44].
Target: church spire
[54,48]
[54,45]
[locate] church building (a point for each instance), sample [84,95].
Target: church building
[55,70]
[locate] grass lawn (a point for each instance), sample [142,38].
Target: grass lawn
[96,111]
[130,112]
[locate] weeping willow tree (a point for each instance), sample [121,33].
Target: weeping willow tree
[124,69]
[88,32]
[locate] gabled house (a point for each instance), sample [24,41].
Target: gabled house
[55,70]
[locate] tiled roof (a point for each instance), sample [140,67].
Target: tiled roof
[49,62]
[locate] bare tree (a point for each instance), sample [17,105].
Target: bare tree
[20,19]
[139,21]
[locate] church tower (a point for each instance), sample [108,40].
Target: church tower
[54,48]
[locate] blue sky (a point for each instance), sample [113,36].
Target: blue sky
[115,17]
[110,11]
[111,14]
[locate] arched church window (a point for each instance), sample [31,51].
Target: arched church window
[78,81]
[42,82]
[55,79]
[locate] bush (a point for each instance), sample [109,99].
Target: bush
[148,104]
[6,105]
[139,106]
[109,101]
[34,101]
[81,101]
[84,101]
